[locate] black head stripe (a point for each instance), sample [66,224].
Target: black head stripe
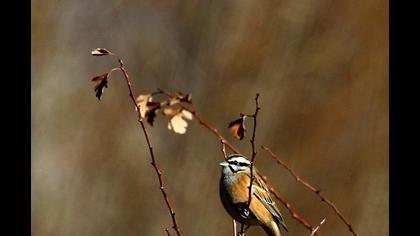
[244,164]
[233,162]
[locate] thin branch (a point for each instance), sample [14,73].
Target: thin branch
[292,212]
[254,116]
[167,232]
[313,189]
[154,164]
[319,226]
[224,149]
[254,154]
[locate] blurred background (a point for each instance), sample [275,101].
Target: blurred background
[320,66]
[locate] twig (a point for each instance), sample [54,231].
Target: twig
[152,156]
[224,149]
[254,154]
[316,228]
[292,212]
[313,189]
[167,232]
[254,116]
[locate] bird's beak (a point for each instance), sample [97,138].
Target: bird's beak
[224,163]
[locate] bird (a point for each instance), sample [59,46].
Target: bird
[234,194]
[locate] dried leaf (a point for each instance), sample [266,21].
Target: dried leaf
[100,77]
[151,113]
[184,97]
[186,114]
[169,111]
[237,128]
[174,101]
[100,87]
[178,124]
[142,101]
[100,52]
[152,109]
[178,98]
[148,109]
[187,98]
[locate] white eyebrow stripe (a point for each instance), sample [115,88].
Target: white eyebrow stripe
[239,159]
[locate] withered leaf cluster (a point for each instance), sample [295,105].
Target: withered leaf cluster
[148,108]
[102,80]
[178,116]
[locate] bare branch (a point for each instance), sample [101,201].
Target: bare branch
[292,212]
[167,232]
[254,116]
[224,149]
[254,154]
[313,189]
[152,156]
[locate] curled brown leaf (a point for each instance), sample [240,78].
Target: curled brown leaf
[152,109]
[101,85]
[237,128]
[184,97]
[100,52]
[142,101]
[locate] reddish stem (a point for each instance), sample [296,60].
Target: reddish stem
[313,189]
[292,212]
[154,164]
[254,154]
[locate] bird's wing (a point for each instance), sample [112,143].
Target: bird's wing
[261,191]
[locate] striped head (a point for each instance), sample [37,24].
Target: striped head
[235,163]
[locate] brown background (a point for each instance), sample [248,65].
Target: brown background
[321,68]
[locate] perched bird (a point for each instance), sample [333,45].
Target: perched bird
[234,194]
